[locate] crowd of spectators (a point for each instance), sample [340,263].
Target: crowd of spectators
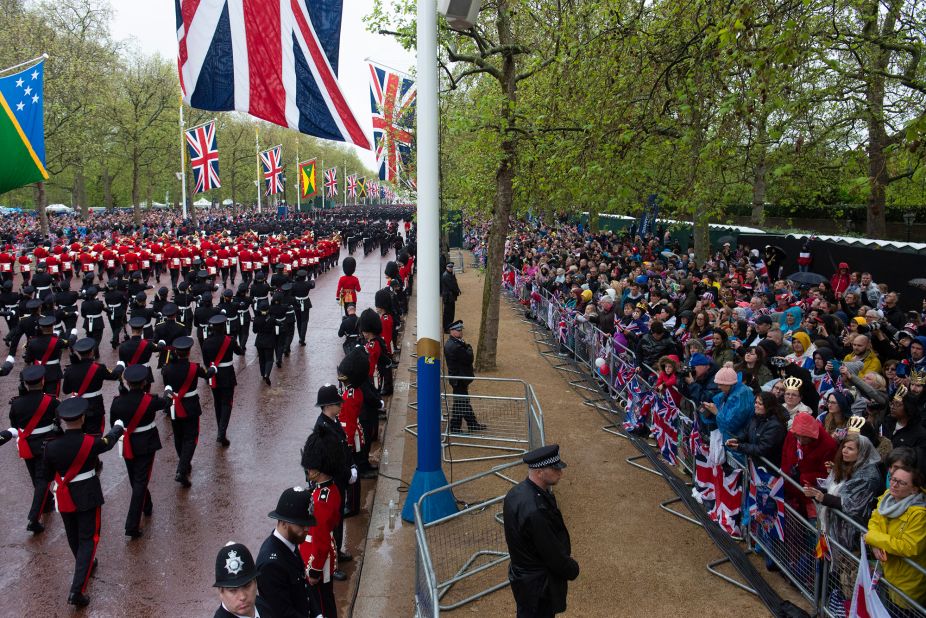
[825,381]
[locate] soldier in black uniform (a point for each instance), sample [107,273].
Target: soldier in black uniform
[66,299]
[279,278]
[160,299]
[265,339]
[139,308]
[136,411]
[181,382]
[28,323]
[235,577]
[136,350]
[136,285]
[449,291]
[338,458]
[116,302]
[228,306]
[348,328]
[92,312]
[45,349]
[9,300]
[166,331]
[202,315]
[537,538]
[459,358]
[301,288]
[289,323]
[73,459]
[41,281]
[243,302]
[219,351]
[282,580]
[184,301]
[259,289]
[32,421]
[85,378]
[278,311]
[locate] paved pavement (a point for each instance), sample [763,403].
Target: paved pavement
[171,568]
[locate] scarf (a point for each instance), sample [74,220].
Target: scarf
[891,507]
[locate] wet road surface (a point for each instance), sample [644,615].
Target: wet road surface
[171,568]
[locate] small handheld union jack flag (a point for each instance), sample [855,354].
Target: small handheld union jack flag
[331,182]
[272,161]
[204,157]
[352,185]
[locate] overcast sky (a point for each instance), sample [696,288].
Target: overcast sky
[150,24]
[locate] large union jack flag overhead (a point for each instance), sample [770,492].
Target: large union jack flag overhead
[274,59]
[392,99]
[272,162]
[204,157]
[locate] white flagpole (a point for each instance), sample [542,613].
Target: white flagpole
[257,149]
[345,186]
[323,183]
[298,181]
[182,159]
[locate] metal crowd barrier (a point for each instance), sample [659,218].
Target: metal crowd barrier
[464,556]
[574,346]
[507,408]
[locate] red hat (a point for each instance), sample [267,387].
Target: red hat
[805,425]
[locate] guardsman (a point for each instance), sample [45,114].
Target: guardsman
[28,323]
[219,350]
[259,289]
[202,315]
[279,277]
[136,411]
[73,460]
[139,308]
[247,266]
[301,288]
[222,258]
[92,312]
[282,581]
[166,332]
[45,350]
[10,304]
[85,379]
[66,299]
[348,284]
[278,315]
[159,300]
[348,329]
[264,327]
[289,324]
[32,421]
[181,384]
[115,303]
[243,303]
[173,258]
[184,301]
[42,281]
[25,266]
[386,311]
[236,578]
[7,259]
[137,350]
[319,550]
[228,306]
[352,373]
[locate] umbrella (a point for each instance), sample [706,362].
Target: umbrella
[917,283]
[775,249]
[807,278]
[728,239]
[668,254]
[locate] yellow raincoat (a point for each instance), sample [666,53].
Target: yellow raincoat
[902,537]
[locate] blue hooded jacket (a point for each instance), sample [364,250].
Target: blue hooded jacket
[734,409]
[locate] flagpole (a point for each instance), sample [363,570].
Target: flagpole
[182,159]
[298,181]
[323,183]
[345,186]
[257,150]
[29,63]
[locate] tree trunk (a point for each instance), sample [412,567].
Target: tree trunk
[107,183]
[877,158]
[486,349]
[234,192]
[80,192]
[40,207]
[758,179]
[593,217]
[135,208]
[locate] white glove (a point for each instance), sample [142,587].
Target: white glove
[353,475]
[162,343]
[120,364]
[10,359]
[15,432]
[73,331]
[382,405]
[168,391]
[119,423]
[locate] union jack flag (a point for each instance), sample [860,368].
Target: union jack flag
[352,185]
[766,502]
[274,60]
[272,161]
[638,405]
[392,99]
[665,416]
[204,157]
[728,490]
[331,181]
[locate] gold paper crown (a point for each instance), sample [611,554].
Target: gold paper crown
[856,423]
[793,384]
[918,377]
[900,393]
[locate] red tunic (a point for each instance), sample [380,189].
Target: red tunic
[349,417]
[318,551]
[348,286]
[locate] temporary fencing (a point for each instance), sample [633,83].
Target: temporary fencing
[463,557]
[615,381]
[508,411]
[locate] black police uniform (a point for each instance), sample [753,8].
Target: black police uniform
[459,357]
[82,525]
[449,291]
[223,386]
[137,410]
[38,409]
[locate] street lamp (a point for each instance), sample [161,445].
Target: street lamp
[909,218]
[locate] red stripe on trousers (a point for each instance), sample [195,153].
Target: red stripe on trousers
[265,60]
[96,543]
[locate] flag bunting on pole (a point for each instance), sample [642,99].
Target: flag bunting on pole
[308,181]
[331,182]
[22,129]
[204,157]
[272,162]
[352,186]
[392,99]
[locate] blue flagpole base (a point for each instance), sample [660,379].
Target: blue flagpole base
[434,507]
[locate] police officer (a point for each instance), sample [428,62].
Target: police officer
[219,350]
[181,381]
[301,288]
[282,580]
[459,357]
[32,421]
[84,377]
[537,538]
[73,459]
[136,411]
[449,291]
[166,331]
[236,580]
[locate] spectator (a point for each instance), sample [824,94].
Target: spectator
[802,350]
[764,434]
[840,280]
[731,408]
[806,450]
[897,530]
[668,377]
[655,344]
[792,398]
[838,411]
[699,384]
[722,353]
[752,368]
[903,427]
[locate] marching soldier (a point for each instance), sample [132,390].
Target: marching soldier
[181,381]
[301,288]
[116,303]
[278,316]
[184,301]
[10,303]
[139,308]
[85,379]
[265,340]
[228,306]
[202,315]
[66,299]
[243,302]
[45,350]
[136,350]
[28,323]
[92,312]
[219,351]
[136,411]
[166,331]
[73,459]
[459,358]
[32,420]
[160,299]
[289,323]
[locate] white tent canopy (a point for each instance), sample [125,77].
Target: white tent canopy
[202,203]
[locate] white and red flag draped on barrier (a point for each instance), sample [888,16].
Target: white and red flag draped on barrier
[865,601]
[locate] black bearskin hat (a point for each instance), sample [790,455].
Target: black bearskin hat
[392,270]
[383,300]
[349,265]
[370,322]
[354,368]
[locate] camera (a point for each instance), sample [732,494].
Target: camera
[685,371]
[778,362]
